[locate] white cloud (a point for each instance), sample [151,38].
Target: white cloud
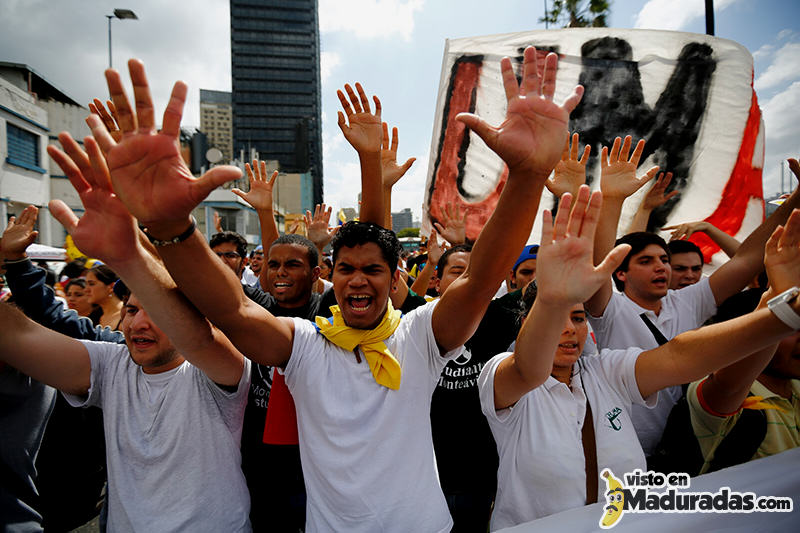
[784,34]
[674,14]
[368,19]
[328,62]
[782,133]
[763,52]
[783,67]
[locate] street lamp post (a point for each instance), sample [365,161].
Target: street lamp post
[121,14]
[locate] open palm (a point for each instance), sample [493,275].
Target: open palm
[146,166]
[260,194]
[532,136]
[106,229]
[618,171]
[565,271]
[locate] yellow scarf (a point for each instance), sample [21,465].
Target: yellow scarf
[385,368]
[757,403]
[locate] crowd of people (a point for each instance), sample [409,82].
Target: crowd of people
[279,389]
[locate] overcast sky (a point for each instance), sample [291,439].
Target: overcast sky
[394,47]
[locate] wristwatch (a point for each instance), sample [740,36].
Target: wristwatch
[780,307]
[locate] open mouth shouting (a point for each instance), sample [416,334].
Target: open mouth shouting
[359,303]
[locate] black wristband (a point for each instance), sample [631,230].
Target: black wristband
[174,240]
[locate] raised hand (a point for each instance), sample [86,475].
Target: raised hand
[362,129]
[531,138]
[565,272]
[570,172]
[106,230]
[435,249]
[658,195]
[217,222]
[260,194]
[391,171]
[19,234]
[147,169]
[782,255]
[454,229]
[686,230]
[109,117]
[317,226]
[618,171]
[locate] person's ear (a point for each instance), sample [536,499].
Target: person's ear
[395,280]
[315,272]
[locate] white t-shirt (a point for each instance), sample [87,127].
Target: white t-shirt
[621,327]
[172,445]
[539,441]
[250,278]
[367,451]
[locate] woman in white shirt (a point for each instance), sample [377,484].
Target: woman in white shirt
[536,397]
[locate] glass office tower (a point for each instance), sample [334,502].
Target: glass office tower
[276,84]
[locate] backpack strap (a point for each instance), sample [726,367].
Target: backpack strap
[660,338]
[589,453]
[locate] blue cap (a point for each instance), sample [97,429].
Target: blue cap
[529,252]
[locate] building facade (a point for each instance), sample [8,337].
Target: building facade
[275,70]
[402,220]
[216,121]
[32,113]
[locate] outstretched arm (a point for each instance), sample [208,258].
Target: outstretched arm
[260,198]
[695,354]
[32,295]
[748,261]
[364,132]
[618,181]
[728,244]
[435,251]
[725,390]
[107,231]
[43,354]
[151,179]
[655,197]
[530,141]
[565,276]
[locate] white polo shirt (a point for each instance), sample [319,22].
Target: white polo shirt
[542,465]
[621,327]
[367,451]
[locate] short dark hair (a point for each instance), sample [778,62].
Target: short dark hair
[232,237]
[685,247]
[80,282]
[639,240]
[75,268]
[354,233]
[104,274]
[293,238]
[465,248]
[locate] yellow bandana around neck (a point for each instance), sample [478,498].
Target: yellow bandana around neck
[757,403]
[385,368]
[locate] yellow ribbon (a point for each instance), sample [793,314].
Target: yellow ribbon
[385,368]
[757,403]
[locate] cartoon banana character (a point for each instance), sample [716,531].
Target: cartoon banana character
[615,496]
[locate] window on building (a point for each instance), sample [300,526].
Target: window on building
[23,148]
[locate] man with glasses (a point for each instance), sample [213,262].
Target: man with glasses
[231,248]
